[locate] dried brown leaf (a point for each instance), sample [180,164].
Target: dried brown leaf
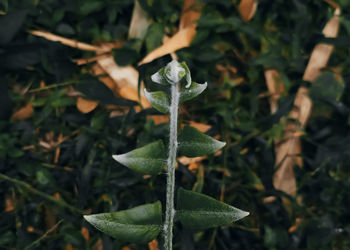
[158,119]
[289,148]
[69,42]
[183,37]
[85,106]
[139,22]
[23,113]
[180,40]
[153,245]
[247,9]
[9,204]
[85,233]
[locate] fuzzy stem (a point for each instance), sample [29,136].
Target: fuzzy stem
[170,211]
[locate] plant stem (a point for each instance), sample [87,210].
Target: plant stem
[170,211]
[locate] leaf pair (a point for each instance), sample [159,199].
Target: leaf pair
[173,73]
[151,158]
[143,223]
[160,100]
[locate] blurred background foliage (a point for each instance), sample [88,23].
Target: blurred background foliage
[66,107]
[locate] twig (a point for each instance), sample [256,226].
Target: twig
[52,86]
[68,42]
[37,242]
[31,189]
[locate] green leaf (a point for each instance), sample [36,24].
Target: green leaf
[199,211]
[139,224]
[149,159]
[154,36]
[159,100]
[194,90]
[172,73]
[193,143]
[158,77]
[187,74]
[327,87]
[10,24]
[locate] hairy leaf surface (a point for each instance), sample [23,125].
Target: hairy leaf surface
[191,92]
[199,211]
[149,159]
[159,100]
[139,224]
[194,143]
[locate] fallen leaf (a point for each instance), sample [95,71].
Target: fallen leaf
[247,9]
[200,126]
[153,245]
[132,94]
[288,149]
[69,42]
[296,225]
[190,13]
[60,139]
[23,113]
[85,106]
[186,161]
[125,78]
[85,232]
[98,245]
[183,38]
[158,119]
[322,52]
[180,40]
[139,22]
[9,204]
[69,247]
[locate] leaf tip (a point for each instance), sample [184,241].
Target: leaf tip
[220,144]
[118,158]
[89,218]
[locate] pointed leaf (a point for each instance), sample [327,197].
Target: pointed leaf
[139,224]
[194,90]
[159,100]
[149,159]
[158,77]
[188,78]
[194,143]
[172,73]
[199,211]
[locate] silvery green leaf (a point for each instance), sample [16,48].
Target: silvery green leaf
[174,72]
[140,224]
[149,159]
[199,211]
[187,74]
[159,100]
[158,77]
[193,143]
[191,92]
